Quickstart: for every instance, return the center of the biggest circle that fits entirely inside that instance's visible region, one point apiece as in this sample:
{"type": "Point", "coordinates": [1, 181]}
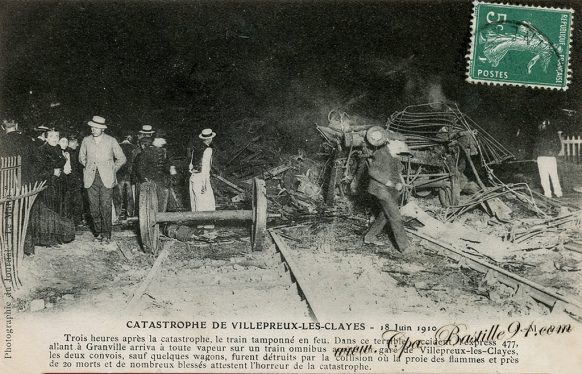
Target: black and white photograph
{"type": "Point", "coordinates": [261, 186]}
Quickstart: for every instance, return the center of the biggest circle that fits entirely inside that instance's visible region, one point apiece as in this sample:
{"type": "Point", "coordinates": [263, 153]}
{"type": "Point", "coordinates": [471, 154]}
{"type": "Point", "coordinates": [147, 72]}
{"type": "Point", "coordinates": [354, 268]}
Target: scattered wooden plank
{"type": "Point", "coordinates": [277, 170]}
{"type": "Point", "coordinates": [228, 183]}
{"type": "Point", "coordinates": [137, 294]}
{"type": "Point", "coordinates": [124, 252]}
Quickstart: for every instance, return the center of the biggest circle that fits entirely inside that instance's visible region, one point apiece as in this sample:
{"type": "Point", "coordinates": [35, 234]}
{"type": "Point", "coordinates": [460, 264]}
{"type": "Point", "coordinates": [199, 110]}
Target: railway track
{"type": "Point", "coordinates": [522, 288]}
{"type": "Point", "coordinates": [303, 286]}
{"type": "Point", "coordinates": [493, 273]}
{"type": "Point", "coordinates": [320, 283]}
{"type": "Point", "coordinates": [215, 279]}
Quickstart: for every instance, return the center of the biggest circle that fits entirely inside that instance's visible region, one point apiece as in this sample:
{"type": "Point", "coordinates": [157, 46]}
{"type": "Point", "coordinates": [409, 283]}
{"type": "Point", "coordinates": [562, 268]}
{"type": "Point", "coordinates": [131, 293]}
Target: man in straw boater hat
{"type": "Point", "coordinates": [201, 193]}
{"type": "Point", "coordinates": [152, 165]}
{"type": "Point", "coordinates": [385, 183]}
{"type": "Point", "coordinates": [102, 157]}
{"type": "Point", "coordinates": [146, 131]}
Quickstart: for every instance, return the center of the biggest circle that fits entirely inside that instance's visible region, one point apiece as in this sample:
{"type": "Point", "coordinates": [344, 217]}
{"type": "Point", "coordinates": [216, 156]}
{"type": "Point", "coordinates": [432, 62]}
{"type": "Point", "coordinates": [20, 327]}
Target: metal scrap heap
{"type": "Point", "coordinates": [449, 154]}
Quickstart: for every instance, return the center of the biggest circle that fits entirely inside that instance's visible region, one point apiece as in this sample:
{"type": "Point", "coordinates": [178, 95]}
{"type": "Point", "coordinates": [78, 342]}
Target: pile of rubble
{"type": "Point", "coordinates": [451, 157]}
{"type": "Point", "coordinates": [293, 181]}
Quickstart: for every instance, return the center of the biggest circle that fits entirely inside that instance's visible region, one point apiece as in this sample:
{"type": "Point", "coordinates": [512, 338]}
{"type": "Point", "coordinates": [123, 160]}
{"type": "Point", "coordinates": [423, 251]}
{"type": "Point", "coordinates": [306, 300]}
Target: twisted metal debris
{"type": "Point", "coordinates": [425, 127]}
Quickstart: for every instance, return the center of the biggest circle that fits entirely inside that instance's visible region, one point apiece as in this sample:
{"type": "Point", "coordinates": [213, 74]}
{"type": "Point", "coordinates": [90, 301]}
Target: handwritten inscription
{"type": "Point", "coordinates": [459, 334]}
{"type": "Point", "coordinates": [452, 342]}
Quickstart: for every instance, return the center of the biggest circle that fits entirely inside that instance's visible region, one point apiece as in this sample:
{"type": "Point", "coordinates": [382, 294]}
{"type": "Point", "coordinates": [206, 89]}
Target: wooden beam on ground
{"type": "Point", "coordinates": [228, 183]}
{"type": "Point", "coordinates": [124, 252]}
{"type": "Point", "coordinates": [137, 294]}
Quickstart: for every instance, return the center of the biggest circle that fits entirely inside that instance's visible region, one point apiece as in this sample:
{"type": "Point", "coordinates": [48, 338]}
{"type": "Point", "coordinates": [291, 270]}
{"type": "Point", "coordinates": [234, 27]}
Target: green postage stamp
{"type": "Point", "coordinates": [520, 45]}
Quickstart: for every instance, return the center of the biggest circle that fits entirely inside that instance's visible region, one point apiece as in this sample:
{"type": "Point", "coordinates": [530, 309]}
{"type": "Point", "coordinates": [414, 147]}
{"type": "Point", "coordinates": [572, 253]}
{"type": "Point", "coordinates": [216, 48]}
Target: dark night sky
{"type": "Point", "coordinates": [166, 62]}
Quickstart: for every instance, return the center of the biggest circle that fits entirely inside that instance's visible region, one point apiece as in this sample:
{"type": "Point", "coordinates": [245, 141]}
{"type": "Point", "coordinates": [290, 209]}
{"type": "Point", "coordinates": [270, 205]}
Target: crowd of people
{"type": "Point", "coordinates": [95, 182]}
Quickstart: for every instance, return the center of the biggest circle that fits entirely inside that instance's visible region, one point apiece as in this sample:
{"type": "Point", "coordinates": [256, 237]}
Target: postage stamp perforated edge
{"type": "Point", "coordinates": [470, 54]}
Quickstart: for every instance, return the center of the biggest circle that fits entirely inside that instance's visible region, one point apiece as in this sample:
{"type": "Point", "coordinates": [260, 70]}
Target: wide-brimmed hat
{"type": "Point", "coordinates": [376, 136]}
{"type": "Point", "coordinates": [41, 128]}
{"type": "Point", "coordinates": [97, 122]}
{"type": "Point", "coordinates": [147, 130]}
{"type": "Point", "coordinates": [207, 134]}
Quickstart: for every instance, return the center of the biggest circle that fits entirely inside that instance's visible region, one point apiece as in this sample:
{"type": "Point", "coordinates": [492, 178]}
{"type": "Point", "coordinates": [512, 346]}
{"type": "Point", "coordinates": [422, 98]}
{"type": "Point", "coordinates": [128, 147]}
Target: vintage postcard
{"type": "Point", "coordinates": [290, 187]}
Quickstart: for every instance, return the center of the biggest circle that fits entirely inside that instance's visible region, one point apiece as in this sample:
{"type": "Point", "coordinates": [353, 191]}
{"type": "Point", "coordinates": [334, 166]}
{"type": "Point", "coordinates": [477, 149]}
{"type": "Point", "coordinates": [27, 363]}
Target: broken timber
{"type": "Point", "coordinates": [228, 183]}
{"type": "Point", "coordinates": [132, 302]}
{"type": "Point", "coordinates": [463, 236]}
{"type": "Point", "coordinates": [530, 232]}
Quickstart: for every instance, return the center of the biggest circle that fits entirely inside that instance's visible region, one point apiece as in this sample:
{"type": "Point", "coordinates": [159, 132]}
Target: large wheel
{"type": "Point", "coordinates": [259, 229]}
{"type": "Point", "coordinates": [149, 228]}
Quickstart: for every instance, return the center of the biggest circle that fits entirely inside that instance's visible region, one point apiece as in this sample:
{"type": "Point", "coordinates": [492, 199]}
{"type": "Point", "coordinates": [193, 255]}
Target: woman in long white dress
{"type": "Point", "coordinates": [201, 192]}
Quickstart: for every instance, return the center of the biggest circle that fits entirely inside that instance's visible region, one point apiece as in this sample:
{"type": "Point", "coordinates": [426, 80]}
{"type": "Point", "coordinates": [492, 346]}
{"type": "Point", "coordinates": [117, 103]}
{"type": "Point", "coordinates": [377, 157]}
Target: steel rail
{"type": "Point", "coordinates": [297, 274]}
{"type": "Point", "coordinates": [544, 295]}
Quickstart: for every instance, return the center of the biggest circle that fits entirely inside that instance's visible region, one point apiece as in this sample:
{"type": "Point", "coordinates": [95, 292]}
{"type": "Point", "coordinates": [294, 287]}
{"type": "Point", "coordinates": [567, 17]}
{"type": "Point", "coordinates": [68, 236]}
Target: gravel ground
{"type": "Point", "coordinates": [223, 280]}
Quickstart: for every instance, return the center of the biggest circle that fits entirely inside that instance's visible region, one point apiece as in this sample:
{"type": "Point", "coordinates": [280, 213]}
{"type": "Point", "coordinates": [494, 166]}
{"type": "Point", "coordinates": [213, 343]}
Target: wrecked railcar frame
{"type": "Point", "coordinates": [443, 143]}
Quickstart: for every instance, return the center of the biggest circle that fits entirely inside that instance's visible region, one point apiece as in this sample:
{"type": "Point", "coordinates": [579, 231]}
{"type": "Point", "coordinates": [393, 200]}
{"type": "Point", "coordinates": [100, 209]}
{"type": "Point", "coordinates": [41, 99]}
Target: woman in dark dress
{"type": "Point", "coordinates": [54, 227]}
{"type": "Point", "coordinates": [67, 207]}
{"type": "Point", "coordinates": [75, 188]}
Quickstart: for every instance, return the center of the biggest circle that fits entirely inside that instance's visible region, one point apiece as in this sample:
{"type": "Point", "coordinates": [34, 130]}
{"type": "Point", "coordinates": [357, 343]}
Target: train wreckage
{"type": "Point", "coordinates": [447, 153]}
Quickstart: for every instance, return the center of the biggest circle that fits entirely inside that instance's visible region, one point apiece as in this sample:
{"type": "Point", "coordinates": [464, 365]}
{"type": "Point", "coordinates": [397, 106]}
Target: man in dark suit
{"type": "Point", "coordinates": [16, 143]}
{"type": "Point", "coordinates": [75, 182]}
{"type": "Point", "coordinates": [123, 195]}
{"type": "Point", "coordinates": [385, 183]}
{"type": "Point", "coordinates": [102, 157]}
{"type": "Point", "coordinates": [152, 165]}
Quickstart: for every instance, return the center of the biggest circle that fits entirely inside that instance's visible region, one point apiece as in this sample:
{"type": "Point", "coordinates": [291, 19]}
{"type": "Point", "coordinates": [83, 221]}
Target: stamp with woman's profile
{"type": "Point", "coordinates": [520, 45]}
